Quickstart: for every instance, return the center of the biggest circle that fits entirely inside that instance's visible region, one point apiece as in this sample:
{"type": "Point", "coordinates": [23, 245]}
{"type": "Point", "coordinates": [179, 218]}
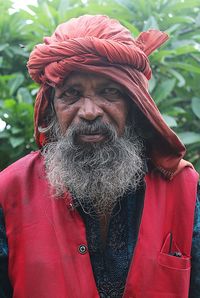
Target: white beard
{"type": "Point", "coordinates": [97, 175]}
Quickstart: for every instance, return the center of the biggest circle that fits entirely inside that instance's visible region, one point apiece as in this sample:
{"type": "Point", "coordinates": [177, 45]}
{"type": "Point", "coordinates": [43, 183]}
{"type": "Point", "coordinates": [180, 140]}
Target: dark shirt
{"type": "Point", "coordinates": [5, 287]}
{"type": "Point", "coordinates": [111, 263]}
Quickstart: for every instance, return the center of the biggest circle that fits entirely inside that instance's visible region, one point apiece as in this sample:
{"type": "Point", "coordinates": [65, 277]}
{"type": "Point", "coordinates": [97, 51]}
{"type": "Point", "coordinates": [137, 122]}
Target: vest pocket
{"type": "Point", "coordinates": [172, 257]}
{"type": "Point", "coordinates": [181, 263]}
{"type": "Point", "coordinates": [172, 272]}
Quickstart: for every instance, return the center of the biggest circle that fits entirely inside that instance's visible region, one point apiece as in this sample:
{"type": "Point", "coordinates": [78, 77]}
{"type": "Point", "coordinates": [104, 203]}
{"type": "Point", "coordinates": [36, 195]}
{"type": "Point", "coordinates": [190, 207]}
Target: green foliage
{"type": "Point", "coordinates": [176, 73]}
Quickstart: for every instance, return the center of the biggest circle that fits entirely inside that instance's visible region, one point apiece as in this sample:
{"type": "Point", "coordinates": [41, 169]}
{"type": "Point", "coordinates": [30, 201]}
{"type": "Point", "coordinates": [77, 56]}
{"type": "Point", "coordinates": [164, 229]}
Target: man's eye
{"type": "Point", "coordinates": [71, 92]}
{"type": "Point", "coordinates": [111, 93]}
{"type": "Point", "coordinates": [71, 95]}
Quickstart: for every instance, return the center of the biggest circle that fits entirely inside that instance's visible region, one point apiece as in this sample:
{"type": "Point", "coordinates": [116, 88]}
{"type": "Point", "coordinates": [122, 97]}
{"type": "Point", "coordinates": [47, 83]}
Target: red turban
{"type": "Point", "coordinates": [102, 45]}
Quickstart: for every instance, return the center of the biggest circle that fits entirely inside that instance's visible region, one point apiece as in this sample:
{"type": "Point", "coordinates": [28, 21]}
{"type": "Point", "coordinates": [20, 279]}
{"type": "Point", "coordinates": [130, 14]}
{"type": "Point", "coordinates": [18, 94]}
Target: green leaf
{"type": "Point", "coordinates": [150, 23]}
{"type": "Point", "coordinates": [3, 46]}
{"type": "Point", "coordinates": [177, 111]}
{"type": "Point", "coordinates": [171, 122]}
{"type": "Point", "coordinates": [197, 166]}
{"type": "Point", "coordinates": [196, 106]}
{"type": "Point", "coordinates": [15, 82]}
{"type": "Point", "coordinates": [15, 142]}
{"type": "Point", "coordinates": [185, 49]}
{"type": "Point", "coordinates": [16, 130]}
{"type": "Point", "coordinates": [4, 134]}
{"type": "Point", "coordinates": [162, 55]}
{"type": "Point", "coordinates": [173, 28]}
{"type": "Point", "coordinates": [131, 27]}
{"type": "Point", "coordinates": [152, 84]}
{"type": "Point", "coordinates": [185, 66]}
{"type": "Point", "coordinates": [182, 19]}
{"type": "Point", "coordinates": [178, 76]}
{"type": "Point", "coordinates": [63, 6]}
{"type": "Point", "coordinates": [189, 137]}
{"type": "Point", "coordinates": [163, 89]}
{"type": "Point", "coordinates": [23, 95]}
{"type": "Point", "coordinates": [34, 91]}
{"type": "Point", "coordinates": [198, 20]}
{"type": "Point", "coordinates": [9, 103]}
{"type": "Point", "coordinates": [20, 52]}
{"type": "Point", "coordinates": [177, 6]}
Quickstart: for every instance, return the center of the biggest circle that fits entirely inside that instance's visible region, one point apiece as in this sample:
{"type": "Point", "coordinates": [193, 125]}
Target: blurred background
{"type": "Point", "coordinates": [175, 84]}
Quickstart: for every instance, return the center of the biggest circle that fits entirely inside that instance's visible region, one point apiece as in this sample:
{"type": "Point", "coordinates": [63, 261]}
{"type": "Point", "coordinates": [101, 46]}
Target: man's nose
{"type": "Point", "coordinates": [90, 110]}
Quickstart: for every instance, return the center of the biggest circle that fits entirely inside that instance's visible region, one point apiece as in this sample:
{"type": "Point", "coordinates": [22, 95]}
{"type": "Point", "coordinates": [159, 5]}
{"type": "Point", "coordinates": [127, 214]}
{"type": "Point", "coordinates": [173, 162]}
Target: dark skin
{"type": "Point", "coordinates": [87, 96]}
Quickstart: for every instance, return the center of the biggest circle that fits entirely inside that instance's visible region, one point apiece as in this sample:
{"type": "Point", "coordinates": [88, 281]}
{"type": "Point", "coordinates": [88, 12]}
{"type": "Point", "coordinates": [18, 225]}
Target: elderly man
{"type": "Point", "coordinates": [106, 207]}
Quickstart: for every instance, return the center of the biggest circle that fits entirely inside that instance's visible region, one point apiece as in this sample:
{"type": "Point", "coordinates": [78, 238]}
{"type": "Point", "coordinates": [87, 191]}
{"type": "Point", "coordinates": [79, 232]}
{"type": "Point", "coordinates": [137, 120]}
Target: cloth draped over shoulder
{"type": "Point", "coordinates": [101, 45]}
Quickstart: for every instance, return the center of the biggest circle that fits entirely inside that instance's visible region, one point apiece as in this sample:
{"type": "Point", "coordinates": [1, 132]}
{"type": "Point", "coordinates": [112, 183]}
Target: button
{"type": "Point", "coordinates": [82, 249]}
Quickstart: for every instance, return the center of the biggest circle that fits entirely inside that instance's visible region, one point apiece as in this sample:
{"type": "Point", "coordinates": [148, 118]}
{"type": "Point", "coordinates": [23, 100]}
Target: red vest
{"type": "Point", "coordinates": [45, 235]}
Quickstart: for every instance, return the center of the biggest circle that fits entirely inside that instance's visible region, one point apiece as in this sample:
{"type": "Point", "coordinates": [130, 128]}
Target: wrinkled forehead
{"type": "Point", "coordinates": [83, 76]}
{"type": "Point", "coordinates": [82, 79]}
{"type": "Point", "coordinates": [86, 75]}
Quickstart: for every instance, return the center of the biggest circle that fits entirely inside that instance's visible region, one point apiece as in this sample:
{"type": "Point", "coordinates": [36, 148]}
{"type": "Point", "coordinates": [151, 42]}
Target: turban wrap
{"type": "Point", "coordinates": [98, 44]}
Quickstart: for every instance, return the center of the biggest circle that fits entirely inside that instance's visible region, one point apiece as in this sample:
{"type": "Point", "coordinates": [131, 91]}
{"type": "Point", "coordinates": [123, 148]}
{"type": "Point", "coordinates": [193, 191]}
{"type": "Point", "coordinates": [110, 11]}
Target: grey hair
{"type": "Point", "coordinates": [49, 127]}
{"type": "Point", "coordinates": [50, 119]}
{"type": "Point", "coordinates": [98, 175]}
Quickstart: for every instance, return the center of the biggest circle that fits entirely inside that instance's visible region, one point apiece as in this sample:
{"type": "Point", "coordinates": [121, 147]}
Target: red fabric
{"type": "Point", "coordinates": [168, 209]}
{"type": "Point", "coordinates": [44, 260]}
{"type": "Point", "coordinates": [103, 46]}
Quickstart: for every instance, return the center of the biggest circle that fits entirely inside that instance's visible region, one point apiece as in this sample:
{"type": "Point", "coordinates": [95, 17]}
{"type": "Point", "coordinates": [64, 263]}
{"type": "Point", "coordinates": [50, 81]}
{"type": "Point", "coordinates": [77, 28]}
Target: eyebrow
{"type": "Point", "coordinates": [100, 85]}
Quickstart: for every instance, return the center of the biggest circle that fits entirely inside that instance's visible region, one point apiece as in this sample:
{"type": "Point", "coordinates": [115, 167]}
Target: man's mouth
{"type": "Point", "coordinates": [91, 138]}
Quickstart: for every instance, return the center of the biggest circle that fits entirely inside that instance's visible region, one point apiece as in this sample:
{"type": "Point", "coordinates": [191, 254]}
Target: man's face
{"type": "Point", "coordinates": [97, 156]}
{"type": "Point", "coordinates": [86, 97]}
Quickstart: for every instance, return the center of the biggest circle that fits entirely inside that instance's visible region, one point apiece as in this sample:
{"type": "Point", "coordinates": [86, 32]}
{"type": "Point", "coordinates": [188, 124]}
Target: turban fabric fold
{"type": "Point", "coordinates": [98, 44]}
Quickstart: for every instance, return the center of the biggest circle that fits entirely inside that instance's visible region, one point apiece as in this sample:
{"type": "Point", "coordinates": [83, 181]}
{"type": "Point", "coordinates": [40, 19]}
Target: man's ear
{"type": "Point", "coordinates": [50, 114]}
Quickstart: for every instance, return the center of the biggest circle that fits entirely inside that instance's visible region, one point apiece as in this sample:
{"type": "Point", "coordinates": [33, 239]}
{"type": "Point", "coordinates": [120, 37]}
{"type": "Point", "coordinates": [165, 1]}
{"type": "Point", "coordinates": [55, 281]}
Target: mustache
{"type": "Point", "coordinates": [92, 128]}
